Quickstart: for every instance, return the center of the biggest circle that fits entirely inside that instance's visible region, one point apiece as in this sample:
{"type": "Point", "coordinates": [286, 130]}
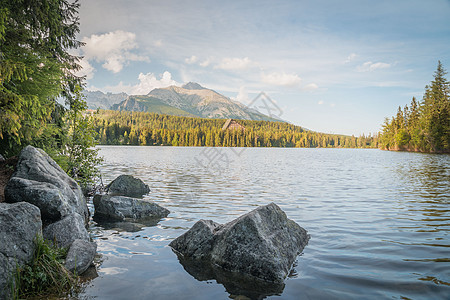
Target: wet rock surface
{"type": "Point", "coordinates": [262, 244]}
{"type": "Point", "coordinates": [64, 232]}
{"type": "Point", "coordinates": [80, 256]}
{"type": "Point", "coordinates": [120, 208]}
{"type": "Point", "coordinates": [127, 185]}
{"type": "Point", "coordinates": [40, 181]}
{"type": "Point", "coordinates": [20, 224]}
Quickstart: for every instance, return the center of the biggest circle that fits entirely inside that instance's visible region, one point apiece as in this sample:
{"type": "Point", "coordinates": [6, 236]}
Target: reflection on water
{"type": "Point", "coordinates": [235, 284]}
{"type": "Point", "coordinates": [378, 221]}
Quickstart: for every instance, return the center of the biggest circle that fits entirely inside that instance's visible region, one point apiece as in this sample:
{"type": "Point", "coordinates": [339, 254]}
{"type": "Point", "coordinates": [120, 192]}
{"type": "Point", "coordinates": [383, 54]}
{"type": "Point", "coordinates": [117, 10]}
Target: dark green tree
{"type": "Point", "coordinates": [35, 69]}
{"type": "Point", "coordinates": [436, 111]}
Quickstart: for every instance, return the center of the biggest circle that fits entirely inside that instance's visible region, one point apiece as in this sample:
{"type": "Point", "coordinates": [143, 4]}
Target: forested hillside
{"type": "Point", "coordinates": [140, 128]}
{"type": "Point", "coordinates": [423, 126]}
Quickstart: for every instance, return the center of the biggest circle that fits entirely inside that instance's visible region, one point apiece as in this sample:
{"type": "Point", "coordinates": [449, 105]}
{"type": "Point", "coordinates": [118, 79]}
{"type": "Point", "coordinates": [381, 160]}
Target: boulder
{"type": "Point", "coordinates": [20, 224]}
{"type": "Point", "coordinates": [262, 244]}
{"type": "Point", "coordinates": [80, 256]}
{"type": "Point", "coordinates": [67, 230]}
{"type": "Point", "coordinates": [121, 208]}
{"type": "Point", "coordinates": [127, 185]}
{"type": "Point", "coordinates": [40, 181]}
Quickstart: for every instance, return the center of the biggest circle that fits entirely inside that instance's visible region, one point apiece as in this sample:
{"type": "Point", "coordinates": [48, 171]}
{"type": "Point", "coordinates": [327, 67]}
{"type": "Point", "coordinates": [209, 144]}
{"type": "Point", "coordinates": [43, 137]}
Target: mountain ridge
{"type": "Point", "coordinates": [191, 99]}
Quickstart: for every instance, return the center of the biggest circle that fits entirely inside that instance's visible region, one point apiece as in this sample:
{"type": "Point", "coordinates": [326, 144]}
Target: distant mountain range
{"type": "Point", "coordinates": [190, 100]}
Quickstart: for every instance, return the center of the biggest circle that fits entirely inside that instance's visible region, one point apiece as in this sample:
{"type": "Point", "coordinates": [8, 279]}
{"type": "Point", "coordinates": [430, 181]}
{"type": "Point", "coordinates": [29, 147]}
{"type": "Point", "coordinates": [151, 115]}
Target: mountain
{"type": "Point", "coordinates": [149, 104]}
{"type": "Point", "coordinates": [101, 100]}
{"type": "Point", "coordinates": [189, 100]}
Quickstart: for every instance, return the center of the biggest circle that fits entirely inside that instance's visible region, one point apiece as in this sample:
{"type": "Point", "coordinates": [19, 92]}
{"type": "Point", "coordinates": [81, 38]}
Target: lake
{"type": "Point", "coordinates": [378, 220]}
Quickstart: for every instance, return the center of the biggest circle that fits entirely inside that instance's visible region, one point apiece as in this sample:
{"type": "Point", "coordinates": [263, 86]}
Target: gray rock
{"type": "Point", "coordinates": [127, 185]}
{"type": "Point", "coordinates": [261, 244]}
{"type": "Point", "coordinates": [20, 224]}
{"type": "Point", "coordinates": [2, 158]}
{"type": "Point", "coordinates": [40, 181]}
{"type": "Point", "coordinates": [67, 230]}
{"type": "Point", "coordinates": [80, 256]}
{"type": "Point", "coordinates": [121, 208]}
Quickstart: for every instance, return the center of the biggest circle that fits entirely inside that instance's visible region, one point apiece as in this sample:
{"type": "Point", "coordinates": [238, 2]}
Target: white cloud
{"type": "Point", "coordinates": [281, 79]}
{"type": "Point", "coordinates": [86, 69]}
{"type": "Point", "coordinates": [351, 57]}
{"type": "Point", "coordinates": [113, 49]}
{"type": "Point", "coordinates": [310, 87]}
{"type": "Point", "coordinates": [242, 96]}
{"type": "Point", "coordinates": [320, 102]}
{"type": "Point", "coordinates": [205, 63]}
{"type": "Point", "coordinates": [191, 60]}
{"type": "Point", "coordinates": [147, 82]}
{"type": "Point", "coordinates": [234, 63]}
{"type": "Point", "coordinates": [370, 66]}
{"type": "Point", "coordinates": [158, 43]}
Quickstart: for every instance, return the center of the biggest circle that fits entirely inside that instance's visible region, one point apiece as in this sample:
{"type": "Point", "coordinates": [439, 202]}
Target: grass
{"type": "Point", "coordinates": [45, 274]}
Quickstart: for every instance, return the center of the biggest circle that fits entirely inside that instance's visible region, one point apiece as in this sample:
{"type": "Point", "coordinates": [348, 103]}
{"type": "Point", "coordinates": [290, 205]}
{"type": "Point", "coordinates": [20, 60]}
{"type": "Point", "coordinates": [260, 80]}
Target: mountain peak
{"type": "Point", "coordinates": [192, 86]}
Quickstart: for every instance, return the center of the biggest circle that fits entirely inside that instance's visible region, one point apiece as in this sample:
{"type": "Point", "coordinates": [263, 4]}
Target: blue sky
{"type": "Point", "coordinates": [331, 66]}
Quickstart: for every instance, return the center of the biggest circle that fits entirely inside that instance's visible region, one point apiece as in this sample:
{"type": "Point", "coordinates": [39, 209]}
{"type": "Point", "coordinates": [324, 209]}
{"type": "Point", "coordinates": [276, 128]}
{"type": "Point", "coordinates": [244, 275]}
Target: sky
{"type": "Point", "coordinates": [330, 66]}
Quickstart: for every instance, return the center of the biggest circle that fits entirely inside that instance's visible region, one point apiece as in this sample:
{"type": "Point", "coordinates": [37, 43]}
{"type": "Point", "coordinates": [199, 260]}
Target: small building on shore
{"type": "Point", "coordinates": [231, 124]}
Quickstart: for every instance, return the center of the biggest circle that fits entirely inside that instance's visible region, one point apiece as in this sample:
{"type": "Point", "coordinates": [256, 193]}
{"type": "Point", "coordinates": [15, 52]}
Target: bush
{"type": "Point", "coordinates": [45, 274]}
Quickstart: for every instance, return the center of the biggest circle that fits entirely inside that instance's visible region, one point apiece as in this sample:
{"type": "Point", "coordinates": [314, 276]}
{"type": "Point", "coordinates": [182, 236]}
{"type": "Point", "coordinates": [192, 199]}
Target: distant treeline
{"type": "Point", "coordinates": [141, 128]}
{"type": "Point", "coordinates": [423, 126]}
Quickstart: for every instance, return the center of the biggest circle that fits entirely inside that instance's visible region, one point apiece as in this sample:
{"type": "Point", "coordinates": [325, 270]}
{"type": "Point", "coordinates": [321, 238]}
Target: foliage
{"type": "Point", "coordinates": [35, 69]}
{"type": "Point", "coordinates": [423, 126]}
{"type": "Point", "coordinates": [141, 128]}
{"type": "Point", "coordinates": [82, 158]}
{"type": "Point", "coordinates": [45, 274]}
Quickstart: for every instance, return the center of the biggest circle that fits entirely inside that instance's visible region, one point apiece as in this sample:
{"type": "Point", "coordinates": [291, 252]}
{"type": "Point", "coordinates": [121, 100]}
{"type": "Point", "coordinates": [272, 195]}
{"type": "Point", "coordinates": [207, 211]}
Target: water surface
{"type": "Point", "coordinates": [378, 221]}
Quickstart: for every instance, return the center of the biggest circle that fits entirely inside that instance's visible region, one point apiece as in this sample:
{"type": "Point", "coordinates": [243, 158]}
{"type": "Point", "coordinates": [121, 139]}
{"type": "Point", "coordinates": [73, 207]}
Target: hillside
{"type": "Point", "coordinates": [191, 100]}
{"type": "Point", "coordinates": [142, 128]}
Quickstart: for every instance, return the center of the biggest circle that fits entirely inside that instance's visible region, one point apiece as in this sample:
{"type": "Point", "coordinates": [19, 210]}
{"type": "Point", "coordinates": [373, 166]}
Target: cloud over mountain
{"type": "Point", "coordinates": [113, 49]}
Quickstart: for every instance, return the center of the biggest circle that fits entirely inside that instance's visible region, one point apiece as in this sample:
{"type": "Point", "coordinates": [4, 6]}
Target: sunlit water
{"type": "Point", "coordinates": [378, 221]}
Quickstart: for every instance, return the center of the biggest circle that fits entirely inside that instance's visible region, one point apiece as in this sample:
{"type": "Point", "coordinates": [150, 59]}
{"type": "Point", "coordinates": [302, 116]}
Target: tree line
{"type": "Point", "coordinates": [142, 128]}
{"type": "Point", "coordinates": [423, 126]}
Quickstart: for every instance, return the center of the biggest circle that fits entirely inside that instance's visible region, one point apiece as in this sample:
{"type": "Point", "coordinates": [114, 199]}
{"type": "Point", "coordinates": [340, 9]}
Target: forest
{"type": "Point", "coordinates": [424, 126]}
{"type": "Point", "coordinates": [141, 128]}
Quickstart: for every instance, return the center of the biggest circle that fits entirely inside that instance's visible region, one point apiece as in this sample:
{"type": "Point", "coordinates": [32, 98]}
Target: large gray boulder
{"type": "Point", "coordinates": [121, 208]}
{"type": "Point", "coordinates": [127, 185]}
{"type": "Point", "coordinates": [80, 256]}
{"type": "Point", "coordinates": [67, 230]}
{"type": "Point", "coordinates": [40, 181]}
{"type": "Point", "coordinates": [261, 244]}
{"type": "Point", "coordinates": [20, 223]}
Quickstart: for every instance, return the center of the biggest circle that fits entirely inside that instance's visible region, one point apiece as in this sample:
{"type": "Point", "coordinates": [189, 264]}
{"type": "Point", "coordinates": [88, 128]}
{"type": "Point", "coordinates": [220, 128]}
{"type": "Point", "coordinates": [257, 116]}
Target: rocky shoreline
{"type": "Point", "coordinates": [42, 200]}
{"type": "Point", "coordinates": [254, 251]}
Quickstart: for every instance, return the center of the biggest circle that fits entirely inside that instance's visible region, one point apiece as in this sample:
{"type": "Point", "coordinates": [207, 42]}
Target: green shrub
{"type": "Point", "coordinates": [45, 274]}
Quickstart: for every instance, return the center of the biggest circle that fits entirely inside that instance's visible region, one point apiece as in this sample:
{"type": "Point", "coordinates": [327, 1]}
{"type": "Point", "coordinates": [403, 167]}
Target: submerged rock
{"type": "Point", "coordinates": [40, 181]}
{"type": "Point", "coordinates": [80, 256]}
{"type": "Point", "coordinates": [20, 223]}
{"type": "Point", "coordinates": [121, 208]}
{"type": "Point", "coordinates": [127, 185]}
{"type": "Point", "coordinates": [64, 232]}
{"type": "Point", "coordinates": [261, 244]}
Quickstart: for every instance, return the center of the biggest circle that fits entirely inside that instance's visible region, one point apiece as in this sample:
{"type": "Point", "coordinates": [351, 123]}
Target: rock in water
{"type": "Point", "coordinates": [127, 185]}
{"type": "Point", "coordinates": [121, 208]}
{"type": "Point", "coordinates": [40, 181]}
{"type": "Point", "coordinates": [80, 256]}
{"type": "Point", "coordinates": [67, 230]}
{"type": "Point", "coordinates": [20, 223]}
{"type": "Point", "coordinates": [262, 244]}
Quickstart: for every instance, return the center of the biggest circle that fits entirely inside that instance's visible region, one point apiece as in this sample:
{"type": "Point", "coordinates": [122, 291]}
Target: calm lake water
{"type": "Point", "coordinates": [379, 221]}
